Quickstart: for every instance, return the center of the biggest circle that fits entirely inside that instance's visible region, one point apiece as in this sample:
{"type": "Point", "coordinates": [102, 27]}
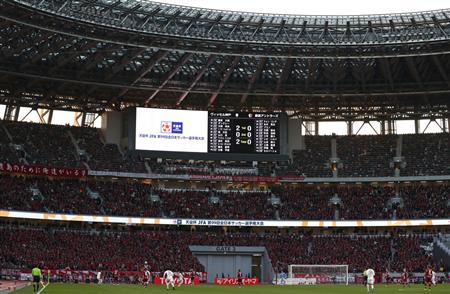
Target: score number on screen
{"type": "Point", "coordinates": [244, 135]}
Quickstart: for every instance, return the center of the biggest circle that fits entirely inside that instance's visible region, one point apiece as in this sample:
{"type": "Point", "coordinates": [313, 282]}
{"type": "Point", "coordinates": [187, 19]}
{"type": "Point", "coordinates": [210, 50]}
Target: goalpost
{"type": "Point", "coordinates": [320, 273]}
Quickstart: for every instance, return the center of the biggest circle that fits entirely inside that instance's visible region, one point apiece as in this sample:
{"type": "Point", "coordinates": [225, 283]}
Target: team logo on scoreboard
{"type": "Point", "coordinates": [171, 127]}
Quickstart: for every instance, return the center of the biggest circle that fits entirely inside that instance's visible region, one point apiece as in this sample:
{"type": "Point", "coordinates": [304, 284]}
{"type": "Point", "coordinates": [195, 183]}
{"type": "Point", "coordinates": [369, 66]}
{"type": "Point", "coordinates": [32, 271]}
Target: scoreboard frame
{"type": "Point", "coordinates": [244, 129]}
{"type": "Point", "coordinates": [128, 133]}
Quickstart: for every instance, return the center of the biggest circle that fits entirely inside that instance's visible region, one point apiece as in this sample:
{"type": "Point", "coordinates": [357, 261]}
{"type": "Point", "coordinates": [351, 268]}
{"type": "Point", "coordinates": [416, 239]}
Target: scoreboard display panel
{"type": "Point", "coordinates": [244, 133]}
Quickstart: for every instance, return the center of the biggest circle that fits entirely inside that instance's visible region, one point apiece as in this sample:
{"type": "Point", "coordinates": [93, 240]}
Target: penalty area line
{"type": "Point", "coordinates": [43, 288]}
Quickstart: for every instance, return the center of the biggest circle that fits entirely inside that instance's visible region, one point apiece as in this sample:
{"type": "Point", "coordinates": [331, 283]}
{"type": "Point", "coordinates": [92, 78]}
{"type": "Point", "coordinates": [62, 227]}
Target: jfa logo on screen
{"type": "Point", "coordinates": [171, 127]}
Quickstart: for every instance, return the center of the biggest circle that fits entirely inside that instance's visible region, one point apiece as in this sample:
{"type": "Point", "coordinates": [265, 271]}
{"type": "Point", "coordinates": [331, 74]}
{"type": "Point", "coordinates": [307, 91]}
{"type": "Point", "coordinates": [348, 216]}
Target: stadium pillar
{"type": "Point", "coordinates": [309, 128]}
{"type": "Point", "coordinates": [383, 127]}
{"type": "Point", "coordinates": [83, 119]}
{"type": "Point", "coordinates": [416, 126]}
{"type": "Point", "coordinates": [11, 112]}
{"type": "Point", "coordinates": [349, 128]}
{"type": "Point", "coordinates": [445, 125]}
{"type": "Point", "coordinates": [50, 116]}
{"type": "Point", "coordinates": [316, 128]}
{"type": "Point", "coordinates": [302, 138]}
{"type": "Point", "coordinates": [78, 116]}
{"type": "Point", "coordinates": [390, 128]}
{"type": "Point", "coordinates": [45, 115]}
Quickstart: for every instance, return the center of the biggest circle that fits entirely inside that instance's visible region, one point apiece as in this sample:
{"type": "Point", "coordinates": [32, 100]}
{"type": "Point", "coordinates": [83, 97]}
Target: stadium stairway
{"type": "Point", "coordinates": [7, 133]}
{"type": "Point", "coordinates": [147, 167]}
{"type": "Point", "coordinates": [441, 250]}
{"type": "Point", "coordinates": [75, 144]}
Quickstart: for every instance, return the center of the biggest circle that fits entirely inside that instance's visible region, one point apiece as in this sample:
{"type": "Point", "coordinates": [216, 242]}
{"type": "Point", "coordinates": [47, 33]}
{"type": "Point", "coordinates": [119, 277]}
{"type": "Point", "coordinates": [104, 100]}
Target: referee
{"type": "Point", "coordinates": [37, 275]}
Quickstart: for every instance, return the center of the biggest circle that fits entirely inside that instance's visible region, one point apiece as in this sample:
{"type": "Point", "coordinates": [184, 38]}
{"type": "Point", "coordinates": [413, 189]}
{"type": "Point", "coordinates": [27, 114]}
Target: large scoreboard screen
{"type": "Point", "coordinates": [171, 130]}
{"type": "Point", "coordinates": [248, 133]}
{"type": "Point", "coordinates": [213, 134]}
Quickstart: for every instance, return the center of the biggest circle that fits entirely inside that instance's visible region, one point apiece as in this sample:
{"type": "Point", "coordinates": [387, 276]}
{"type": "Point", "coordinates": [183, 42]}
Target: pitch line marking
{"type": "Point", "coordinates": [40, 291]}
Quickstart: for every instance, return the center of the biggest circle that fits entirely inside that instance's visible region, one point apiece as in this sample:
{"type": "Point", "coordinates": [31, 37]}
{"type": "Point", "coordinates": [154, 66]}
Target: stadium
{"type": "Point", "coordinates": [149, 146]}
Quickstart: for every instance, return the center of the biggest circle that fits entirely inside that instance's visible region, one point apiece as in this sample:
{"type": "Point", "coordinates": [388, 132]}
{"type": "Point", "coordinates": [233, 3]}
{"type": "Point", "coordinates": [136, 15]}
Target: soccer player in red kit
{"type": "Point", "coordinates": [116, 276]}
{"type": "Point", "coordinates": [147, 275]}
{"type": "Point", "coordinates": [427, 278]}
{"type": "Point", "coordinates": [387, 276]}
{"type": "Point", "coordinates": [239, 278]}
{"type": "Point", "coordinates": [405, 278]}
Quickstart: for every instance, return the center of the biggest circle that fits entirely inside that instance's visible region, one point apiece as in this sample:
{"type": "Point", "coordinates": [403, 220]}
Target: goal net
{"type": "Point", "coordinates": [319, 274]}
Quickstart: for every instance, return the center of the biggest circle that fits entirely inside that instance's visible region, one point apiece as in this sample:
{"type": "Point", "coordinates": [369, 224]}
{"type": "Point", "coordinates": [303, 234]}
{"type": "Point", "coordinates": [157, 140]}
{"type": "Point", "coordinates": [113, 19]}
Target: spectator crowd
{"type": "Point", "coordinates": [89, 249]}
{"type": "Point", "coordinates": [305, 202]}
{"type": "Point", "coordinates": [359, 156]}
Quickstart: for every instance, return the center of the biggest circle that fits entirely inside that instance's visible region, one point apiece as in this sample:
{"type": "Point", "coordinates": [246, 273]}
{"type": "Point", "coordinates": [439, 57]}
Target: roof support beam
{"type": "Point", "coordinates": [119, 66]}
{"type": "Point", "coordinates": [224, 80]}
{"type": "Point", "coordinates": [413, 70]}
{"type": "Point", "coordinates": [63, 60]}
{"type": "Point", "coordinates": [194, 20]}
{"type": "Point", "coordinates": [283, 22]}
{"type": "Point", "coordinates": [98, 56]}
{"type": "Point", "coordinates": [415, 73]}
{"type": "Point", "coordinates": [172, 18]}
{"type": "Point", "coordinates": [148, 17]}
{"type": "Point", "coordinates": [170, 74]}
{"type": "Point", "coordinates": [129, 56]}
{"type": "Point", "coordinates": [237, 24]}
{"type": "Point", "coordinates": [110, 7]}
{"type": "Point", "coordinates": [153, 61]}
{"type": "Point", "coordinates": [441, 70]}
{"type": "Point", "coordinates": [254, 78]}
{"type": "Point", "coordinates": [283, 77]}
{"type": "Point", "coordinates": [312, 67]}
{"type": "Point", "coordinates": [216, 22]}
{"type": "Point", "coordinates": [43, 38]}
{"type": "Point", "coordinates": [258, 27]}
{"type": "Point", "coordinates": [129, 12]}
{"type": "Point", "coordinates": [386, 68]}
{"type": "Point", "coordinates": [439, 27]}
{"type": "Point", "coordinates": [45, 49]}
{"type": "Point", "coordinates": [197, 78]}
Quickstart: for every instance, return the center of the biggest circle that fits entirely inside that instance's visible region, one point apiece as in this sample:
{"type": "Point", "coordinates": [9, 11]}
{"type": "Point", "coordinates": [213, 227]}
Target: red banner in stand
{"type": "Point", "coordinates": [234, 281]}
{"type": "Point", "coordinates": [186, 281]}
{"type": "Point", "coordinates": [254, 179]}
{"type": "Point", "coordinates": [36, 170]}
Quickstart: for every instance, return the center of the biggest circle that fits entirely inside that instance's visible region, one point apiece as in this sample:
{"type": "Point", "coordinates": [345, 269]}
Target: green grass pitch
{"type": "Point", "coordinates": [262, 289]}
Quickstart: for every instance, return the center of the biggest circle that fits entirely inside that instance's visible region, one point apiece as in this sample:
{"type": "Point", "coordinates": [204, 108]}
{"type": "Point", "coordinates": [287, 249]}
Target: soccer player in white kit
{"type": "Point", "coordinates": [370, 279]}
{"type": "Point", "coordinates": [99, 277]}
{"type": "Point", "coordinates": [168, 278]}
{"type": "Point", "coordinates": [179, 279]}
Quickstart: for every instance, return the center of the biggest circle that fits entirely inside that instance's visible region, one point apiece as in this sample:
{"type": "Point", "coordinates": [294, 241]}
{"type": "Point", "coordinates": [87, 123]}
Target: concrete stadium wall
{"type": "Point", "coordinates": [112, 127]}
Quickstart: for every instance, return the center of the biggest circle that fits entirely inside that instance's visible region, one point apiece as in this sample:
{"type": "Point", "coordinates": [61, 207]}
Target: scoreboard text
{"type": "Point", "coordinates": [233, 132]}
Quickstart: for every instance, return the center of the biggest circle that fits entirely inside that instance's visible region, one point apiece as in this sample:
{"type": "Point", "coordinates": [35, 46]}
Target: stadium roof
{"type": "Point", "coordinates": [323, 7]}
{"type": "Point", "coordinates": [94, 55]}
